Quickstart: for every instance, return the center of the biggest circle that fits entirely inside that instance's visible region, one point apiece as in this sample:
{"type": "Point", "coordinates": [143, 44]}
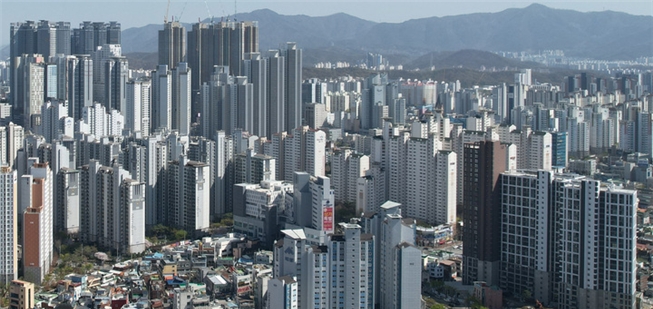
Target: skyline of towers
{"type": "Point", "coordinates": [219, 44]}
{"type": "Point", "coordinates": [424, 153]}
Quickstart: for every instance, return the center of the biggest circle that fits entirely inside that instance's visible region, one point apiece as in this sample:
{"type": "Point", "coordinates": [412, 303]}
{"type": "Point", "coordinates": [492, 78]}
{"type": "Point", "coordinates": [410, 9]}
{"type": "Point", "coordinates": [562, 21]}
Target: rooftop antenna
{"type": "Point", "coordinates": [235, 9]}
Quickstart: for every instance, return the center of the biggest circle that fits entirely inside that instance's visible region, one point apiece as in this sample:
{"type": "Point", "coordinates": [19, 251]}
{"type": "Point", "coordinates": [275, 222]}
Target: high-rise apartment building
{"type": "Point", "coordinates": [172, 44]}
{"type": "Point", "coordinates": [80, 85]}
{"type": "Point", "coordinates": [101, 55]}
{"type": "Point", "coordinates": [36, 201]}
{"type": "Point", "coordinates": [250, 167]}
{"type": "Point", "coordinates": [285, 293]}
{"type": "Point", "coordinates": [219, 44]}
{"type": "Point", "coordinates": [483, 163]}
{"type": "Point", "coordinates": [525, 234]}
{"type": "Point", "coordinates": [90, 35]}
{"type": "Point", "coordinates": [187, 197]}
{"type": "Point", "coordinates": [276, 93]}
{"type": "Point", "coordinates": [351, 270]}
{"type": "Point", "coordinates": [293, 85]}
{"type": "Point", "coordinates": [397, 263]}
{"type": "Point", "coordinates": [444, 189]}
{"type": "Point", "coordinates": [138, 100]}
{"type": "Point", "coordinates": [67, 194]}
{"type": "Point", "coordinates": [313, 203]}
{"type": "Point", "coordinates": [340, 273]}
{"type": "Point", "coordinates": [28, 38]}
{"type": "Point", "coordinates": [304, 150]}
{"type": "Point", "coordinates": [130, 235]}
{"type": "Point", "coordinates": [9, 234]}
{"type": "Point", "coordinates": [255, 67]}
{"type": "Point", "coordinates": [115, 215]}
{"type": "Point", "coordinates": [567, 239]}
{"type": "Point", "coordinates": [181, 99]}
{"type": "Point", "coordinates": [161, 98]}
{"type": "Point", "coordinates": [222, 172]}
{"type": "Point", "coordinates": [228, 104]}
{"type": "Point", "coordinates": [559, 149]}
{"type": "Point", "coordinates": [116, 76]}
{"type": "Point", "coordinates": [595, 234]}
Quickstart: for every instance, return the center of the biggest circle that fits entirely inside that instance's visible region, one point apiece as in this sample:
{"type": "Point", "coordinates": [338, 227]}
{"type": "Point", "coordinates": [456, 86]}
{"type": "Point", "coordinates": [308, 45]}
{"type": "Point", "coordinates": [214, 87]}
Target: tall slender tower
{"type": "Point", "coordinates": [161, 97]}
{"type": "Point", "coordinates": [9, 234]}
{"type": "Point", "coordinates": [181, 98]}
{"type": "Point", "coordinates": [80, 85]}
{"type": "Point", "coordinates": [115, 81]}
{"type": "Point", "coordinates": [483, 163]}
{"type": "Point", "coordinates": [293, 86]}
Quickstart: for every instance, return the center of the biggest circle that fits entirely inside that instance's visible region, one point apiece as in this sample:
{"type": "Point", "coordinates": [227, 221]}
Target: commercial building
{"type": "Point", "coordinates": [21, 294]}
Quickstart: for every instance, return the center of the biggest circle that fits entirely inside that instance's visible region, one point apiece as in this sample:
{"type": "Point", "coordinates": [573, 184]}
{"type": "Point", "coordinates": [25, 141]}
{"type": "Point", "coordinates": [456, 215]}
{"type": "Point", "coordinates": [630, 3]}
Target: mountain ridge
{"type": "Point", "coordinates": [535, 27]}
{"type": "Point", "coordinates": [605, 35]}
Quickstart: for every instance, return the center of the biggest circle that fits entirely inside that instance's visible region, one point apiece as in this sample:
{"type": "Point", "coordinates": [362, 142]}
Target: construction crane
{"type": "Point", "coordinates": [165, 18]}
{"type": "Point", "coordinates": [182, 12]}
{"type": "Point", "coordinates": [208, 10]}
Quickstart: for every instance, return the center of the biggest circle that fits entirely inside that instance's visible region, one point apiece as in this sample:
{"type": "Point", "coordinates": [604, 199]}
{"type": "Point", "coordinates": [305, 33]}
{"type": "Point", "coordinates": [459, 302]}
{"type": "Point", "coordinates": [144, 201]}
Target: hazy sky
{"type": "Point", "coordinates": [142, 12]}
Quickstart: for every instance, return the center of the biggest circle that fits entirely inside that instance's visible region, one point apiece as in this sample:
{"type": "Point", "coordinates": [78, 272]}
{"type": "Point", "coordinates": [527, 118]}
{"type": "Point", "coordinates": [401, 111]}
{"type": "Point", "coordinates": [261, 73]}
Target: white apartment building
{"type": "Point", "coordinates": [358, 164]}
{"type": "Point", "coordinates": [351, 269]}
{"type": "Point", "coordinates": [161, 98]}
{"type": "Point", "coordinates": [187, 197]}
{"type": "Point", "coordinates": [131, 217]}
{"type": "Point", "coordinates": [9, 232]}
{"type": "Point", "coordinates": [568, 239]}
{"type": "Point", "coordinates": [283, 293]}
{"type": "Point", "coordinates": [396, 166]}
{"type": "Point", "coordinates": [112, 208]}
{"type": "Point", "coordinates": [67, 214]}
{"type": "Point", "coordinates": [444, 189]}
{"type": "Point", "coordinates": [137, 113]}
{"type": "Point", "coordinates": [315, 156]}
{"type": "Point", "coordinates": [181, 99]}
{"type": "Point", "coordinates": [420, 173]}
{"type": "Point", "coordinates": [525, 233]}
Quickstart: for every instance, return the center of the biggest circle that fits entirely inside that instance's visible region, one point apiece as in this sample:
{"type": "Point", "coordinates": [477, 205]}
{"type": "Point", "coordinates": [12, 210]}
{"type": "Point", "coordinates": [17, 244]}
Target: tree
{"type": "Point", "coordinates": [160, 229]}
{"type": "Point", "coordinates": [527, 295]}
{"type": "Point", "coordinates": [180, 235]}
{"type": "Point", "coordinates": [475, 303]}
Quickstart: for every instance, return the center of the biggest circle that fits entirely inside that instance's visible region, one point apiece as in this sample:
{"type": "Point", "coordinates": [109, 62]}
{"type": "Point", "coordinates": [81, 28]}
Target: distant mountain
{"type": "Point", "coordinates": [601, 35]}
{"type": "Point", "coordinates": [4, 52]}
{"type": "Point", "coordinates": [605, 35]}
{"type": "Point", "coordinates": [468, 59]}
{"type": "Point", "coordinates": [274, 29]}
